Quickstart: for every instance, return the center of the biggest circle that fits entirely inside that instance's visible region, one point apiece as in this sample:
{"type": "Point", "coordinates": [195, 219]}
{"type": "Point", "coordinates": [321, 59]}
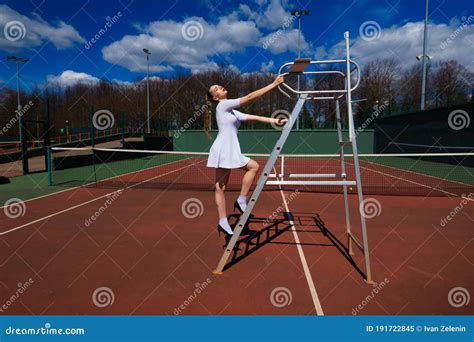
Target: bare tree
{"type": "Point", "coordinates": [378, 84]}
{"type": "Point", "coordinates": [408, 88]}
{"type": "Point", "coordinates": [175, 101]}
{"type": "Point", "coordinates": [450, 83]}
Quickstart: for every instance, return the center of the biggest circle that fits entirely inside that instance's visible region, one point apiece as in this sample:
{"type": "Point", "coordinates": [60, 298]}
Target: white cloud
{"type": "Point", "coordinates": [251, 74]}
{"type": "Point", "coordinates": [274, 15]}
{"type": "Point", "coordinates": [404, 43]}
{"type": "Point", "coordinates": [246, 10]}
{"type": "Point", "coordinates": [69, 78]}
{"type": "Point", "coordinates": [154, 78]}
{"type": "Point", "coordinates": [123, 83]}
{"type": "Point", "coordinates": [275, 19]}
{"type": "Point", "coordinates": [320, 53]}
{"type": "Point", "coordinates": [235, 32]}
{"type": "Point", "coordinates": [169, 46]}
{"type": "Point", "coordinates": [28, 32]}
{"type": "Point", "coordinates": [284, 40]}
{"type": "Point", "coordinates": [271, 17]}
{"type": "Point", "coordinates": [136, 82]}
{"type": "Point", "coordinates": [267, 67]}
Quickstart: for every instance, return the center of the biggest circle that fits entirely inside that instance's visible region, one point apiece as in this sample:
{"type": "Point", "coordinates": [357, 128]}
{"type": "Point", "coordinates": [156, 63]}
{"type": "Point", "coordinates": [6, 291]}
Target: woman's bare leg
{"type": "Point", "coordinates": [251, 170]}
{"type": "Point", "coordinates": [222, 177]}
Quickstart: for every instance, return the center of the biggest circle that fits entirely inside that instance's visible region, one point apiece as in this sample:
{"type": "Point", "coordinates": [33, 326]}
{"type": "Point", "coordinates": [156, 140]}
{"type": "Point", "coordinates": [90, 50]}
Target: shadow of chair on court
{"type": "Point", "coordinates": [252, 240]}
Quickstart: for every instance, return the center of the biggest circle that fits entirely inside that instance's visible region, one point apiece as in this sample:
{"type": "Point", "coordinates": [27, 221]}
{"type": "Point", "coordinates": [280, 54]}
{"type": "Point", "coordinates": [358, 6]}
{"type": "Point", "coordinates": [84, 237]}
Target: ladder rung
{"type": "Point", "coordinates": [357, 242]}
{"type": "Point", "coordinates": [307, 175]}
{"type": "Point", "coordinates": [311, 183]}
{"type": "Point", "coordinates": [345, 143]}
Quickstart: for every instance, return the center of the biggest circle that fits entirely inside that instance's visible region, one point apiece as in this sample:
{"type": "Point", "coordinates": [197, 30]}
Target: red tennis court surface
{"type": "Point", "coordinates": [152, 251]}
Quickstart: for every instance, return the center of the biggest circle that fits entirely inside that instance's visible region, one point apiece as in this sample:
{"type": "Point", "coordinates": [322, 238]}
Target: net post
{"type": "Point", "coordinates": [23, 144]}
{"type": "Point", "coordinates": [91, 123]}
{"type": "Point", "coordinates": [47, 129]}
{"type": "Point", "coordinates": [49, 165]}
{"type": "Point", "coordinates": [93, 165]}
{"type": "Point", "coordinates": [122, 128]}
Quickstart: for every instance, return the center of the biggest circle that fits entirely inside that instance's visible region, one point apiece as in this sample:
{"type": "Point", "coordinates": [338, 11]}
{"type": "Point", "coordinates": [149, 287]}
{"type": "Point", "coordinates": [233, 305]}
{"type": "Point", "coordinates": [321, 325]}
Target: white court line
{"type": "Point", "coordinates": [90, 201]}
{"type": "Point", "coordinates": [307, 273]}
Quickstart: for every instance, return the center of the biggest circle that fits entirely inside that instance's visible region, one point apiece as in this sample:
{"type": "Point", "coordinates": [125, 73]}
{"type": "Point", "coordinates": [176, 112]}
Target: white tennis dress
{"type": "Point", "coordinates": [225, 151]}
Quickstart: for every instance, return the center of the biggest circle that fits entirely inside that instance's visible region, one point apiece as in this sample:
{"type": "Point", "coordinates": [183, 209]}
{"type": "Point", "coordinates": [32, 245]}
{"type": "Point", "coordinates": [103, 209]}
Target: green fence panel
{"type": "Point", "coordinates": [262, 141]}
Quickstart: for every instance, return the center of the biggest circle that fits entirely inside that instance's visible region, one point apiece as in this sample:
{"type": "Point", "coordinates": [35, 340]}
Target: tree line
{"type": "Point", "coordinates": [173, 101]}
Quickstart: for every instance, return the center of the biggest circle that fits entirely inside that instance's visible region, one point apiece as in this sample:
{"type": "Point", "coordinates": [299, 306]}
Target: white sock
{"type": "Point", "coordinates": [225, 224]}
{"type": "Point", "coordinates": [242, 200]}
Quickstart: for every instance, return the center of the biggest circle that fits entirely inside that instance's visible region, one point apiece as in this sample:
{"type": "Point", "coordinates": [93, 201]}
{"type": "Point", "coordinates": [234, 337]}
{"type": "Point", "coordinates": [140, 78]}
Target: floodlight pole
{"type": "Point", "coordinates": [423, 60]}
{"type": "Point", "coordinates": [18, 87]}
{"type": "Point", "coordinates": [147, 88]}
{"type": "Point", "coordinates": [18, 60]}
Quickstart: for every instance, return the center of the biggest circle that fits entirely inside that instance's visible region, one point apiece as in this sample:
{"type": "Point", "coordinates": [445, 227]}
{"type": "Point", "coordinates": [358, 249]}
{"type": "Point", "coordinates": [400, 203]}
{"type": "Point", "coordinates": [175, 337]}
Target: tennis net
{"type": "Point", "coordinates": [435, 174]}
{"type": "Point", "coordinates": [400, 147]}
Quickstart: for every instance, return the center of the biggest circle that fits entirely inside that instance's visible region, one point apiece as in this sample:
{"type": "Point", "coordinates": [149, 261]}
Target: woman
{"type": "Point", "coordinates": [225, 153]}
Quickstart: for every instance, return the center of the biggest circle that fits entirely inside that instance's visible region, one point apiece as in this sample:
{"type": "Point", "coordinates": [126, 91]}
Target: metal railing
{"type": "Point", "coordinates": [285, 70]}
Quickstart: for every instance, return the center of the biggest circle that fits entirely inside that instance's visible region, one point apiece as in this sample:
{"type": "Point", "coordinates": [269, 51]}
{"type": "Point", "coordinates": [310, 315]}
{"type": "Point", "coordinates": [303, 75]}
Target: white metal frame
{"type": "Point", "coordinates": [352, 69]}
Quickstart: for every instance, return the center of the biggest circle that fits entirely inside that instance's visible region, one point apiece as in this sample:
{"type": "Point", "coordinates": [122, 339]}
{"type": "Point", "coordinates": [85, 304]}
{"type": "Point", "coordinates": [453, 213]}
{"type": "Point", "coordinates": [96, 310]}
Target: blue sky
{"type": "Point", "coordinates": [255, 35]}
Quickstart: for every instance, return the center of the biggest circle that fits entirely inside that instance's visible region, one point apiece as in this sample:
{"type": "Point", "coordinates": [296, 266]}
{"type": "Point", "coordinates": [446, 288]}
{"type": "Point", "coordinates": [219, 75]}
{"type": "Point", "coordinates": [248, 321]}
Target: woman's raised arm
{"type": "Point", "coordinates": [257, 93]}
